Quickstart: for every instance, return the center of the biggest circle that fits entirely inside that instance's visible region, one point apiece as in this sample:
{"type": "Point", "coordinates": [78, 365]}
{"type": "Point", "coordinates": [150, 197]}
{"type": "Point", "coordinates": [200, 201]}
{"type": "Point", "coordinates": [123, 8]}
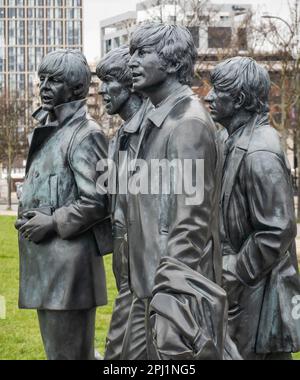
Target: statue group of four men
{"type": "Point", "coordinates": [212, 279]}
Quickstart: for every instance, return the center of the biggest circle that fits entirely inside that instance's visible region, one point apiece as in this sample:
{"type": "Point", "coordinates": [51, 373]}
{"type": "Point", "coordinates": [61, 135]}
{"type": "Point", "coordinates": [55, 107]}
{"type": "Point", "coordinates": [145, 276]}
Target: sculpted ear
{"type": "Point", "coordinates": [78, 90]}
{"type": "Point", "coordinates": [173, 68]}
{"type": "Point", "coordinates": [240, 100]}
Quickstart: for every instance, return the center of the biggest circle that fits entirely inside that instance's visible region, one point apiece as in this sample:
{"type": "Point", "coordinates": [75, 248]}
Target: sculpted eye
{"type": "Point", "coordinates": [142, 53]}
{"type": "Point", "coordinates": [56, 80]}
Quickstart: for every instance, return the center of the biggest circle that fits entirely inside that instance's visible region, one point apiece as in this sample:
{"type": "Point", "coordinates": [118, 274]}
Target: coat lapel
{"type": "Point", "coordinates": [235, 161]}
{"type": "Point", "coordinates": [40, 135]}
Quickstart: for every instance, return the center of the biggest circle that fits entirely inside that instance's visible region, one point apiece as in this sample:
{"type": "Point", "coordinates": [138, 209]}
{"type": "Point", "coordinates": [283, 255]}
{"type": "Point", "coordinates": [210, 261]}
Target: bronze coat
{"type": "Point", "coordinates": [258, 232]}
{"type": "Point", "coordinates": [64, 272]}
{"type": "Point", "coordinates": [163, 225]}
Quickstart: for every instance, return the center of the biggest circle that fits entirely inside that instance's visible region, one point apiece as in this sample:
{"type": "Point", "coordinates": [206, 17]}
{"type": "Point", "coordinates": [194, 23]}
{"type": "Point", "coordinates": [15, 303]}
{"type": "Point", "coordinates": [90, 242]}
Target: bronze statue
{"type": "Point", "coordinates": [257, 223]}
{"type": "Point", "coordinates": [166, 224]}
{"type": "Point", "coordinates": [119, 98]}
{"type": "Point", "coordinates": [60, 212]}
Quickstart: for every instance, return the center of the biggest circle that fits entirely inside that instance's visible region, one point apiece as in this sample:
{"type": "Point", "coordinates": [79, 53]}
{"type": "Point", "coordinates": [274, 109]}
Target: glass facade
{"type": "Point", "coordinates": [29, 29]}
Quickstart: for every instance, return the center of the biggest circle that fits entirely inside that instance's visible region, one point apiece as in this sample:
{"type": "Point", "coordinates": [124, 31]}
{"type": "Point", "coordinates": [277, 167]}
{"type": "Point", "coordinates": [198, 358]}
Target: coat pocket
{"type": "Point", "coordinates": [53, 186]}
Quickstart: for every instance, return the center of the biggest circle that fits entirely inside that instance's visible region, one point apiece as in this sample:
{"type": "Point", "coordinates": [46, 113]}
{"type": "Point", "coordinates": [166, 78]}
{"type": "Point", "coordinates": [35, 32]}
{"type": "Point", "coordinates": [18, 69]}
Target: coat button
{"type": "Point", "coordinates": [36, 174]}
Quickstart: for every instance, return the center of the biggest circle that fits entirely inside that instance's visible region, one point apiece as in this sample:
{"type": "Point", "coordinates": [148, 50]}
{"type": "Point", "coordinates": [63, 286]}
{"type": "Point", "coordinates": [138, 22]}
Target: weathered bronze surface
{"type": "Point", "coordinates": [61, 271]}
{"type": "Point", "coordinates": [257, 224]}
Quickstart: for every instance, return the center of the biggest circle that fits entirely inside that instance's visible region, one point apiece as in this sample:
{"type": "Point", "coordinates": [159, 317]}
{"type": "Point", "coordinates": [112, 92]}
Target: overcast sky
{"type": "Point", "coordinates": [97, 10]}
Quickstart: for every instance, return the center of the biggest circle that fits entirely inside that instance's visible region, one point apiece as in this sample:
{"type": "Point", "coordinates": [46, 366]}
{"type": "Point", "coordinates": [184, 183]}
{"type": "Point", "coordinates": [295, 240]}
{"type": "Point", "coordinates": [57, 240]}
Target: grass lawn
{"type": "Point", "coordinates": [19, 332]}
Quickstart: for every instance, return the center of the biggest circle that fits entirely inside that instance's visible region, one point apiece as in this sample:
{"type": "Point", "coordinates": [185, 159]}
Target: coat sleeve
{"type": "Point", "coordinates": [190, 224]}
{"type": "Point", "coordinates": [91, 206]}
{"type": "Point", "coordinates": [271, 206]}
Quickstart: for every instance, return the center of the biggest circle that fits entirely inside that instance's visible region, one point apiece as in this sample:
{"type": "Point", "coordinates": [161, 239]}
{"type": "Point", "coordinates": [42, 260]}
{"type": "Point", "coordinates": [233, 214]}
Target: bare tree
{"type": "Point", "coordinates": [14, 130]}
{"type": "Point", "coordinates": [281, 38]}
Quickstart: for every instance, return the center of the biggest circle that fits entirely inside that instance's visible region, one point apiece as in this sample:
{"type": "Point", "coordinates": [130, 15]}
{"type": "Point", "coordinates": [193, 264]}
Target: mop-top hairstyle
{"type": "Point", "coordinates": [70, 66]}
{"type": "Point", "coordinates": [173, 43]}
{"type": "Point", "coordinates": [115, 64]}
{"type": "Point", "coordinates": [243, 75]}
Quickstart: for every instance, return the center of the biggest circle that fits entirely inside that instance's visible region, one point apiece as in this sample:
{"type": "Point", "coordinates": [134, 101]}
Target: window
{"type": "Point", "coordinates": [1, 59]}
{"type": "Point", "coordinates": [117, 41]}
{"type": "Point", "coordinates": [21, 12]}
{"type": "Point", "coordinates": [30, 12]}
{"type": "Point", "coordinates": [107, 46]}
{"type": "Point", "coordinates": [58, 33]}
{"type": "Point", "coordinates": [50, 33]}
{"type": "Point", "coordinates": [21, 32]}
{"type": "Point", "coordinates": [77, 33]}
{"type": "Point", "coordinates": [31, 59]}
{"type": "Point", "coordinates": [2, 82]}
{"type": "Point", "coordinates": [12, 80]}
{"type": "Point", "coordinates": [21, 59]}
{"type": "Point", "coordinates": [11, 59]}
{"type": "Point", "coordinates": [194, 30]}
{"type": "Point", "coordinates": [30, 32]}
{"type": "Point", "coordinates": [39, 12]}
{"type": "Point", "coordinates": [21, 84]}
{"type": "Point", "coordinates": [219, 37]}
{"type": "Point", "coordinates": [12, 13]}
{"type": "Point", "coordinates": [58, 13]}
{"type": "Point", "coordinates": [11, 33]}
{"type": "Point", "coordinates": [242, 39]}
{"type": "Point", "coordinates": [39, 32]}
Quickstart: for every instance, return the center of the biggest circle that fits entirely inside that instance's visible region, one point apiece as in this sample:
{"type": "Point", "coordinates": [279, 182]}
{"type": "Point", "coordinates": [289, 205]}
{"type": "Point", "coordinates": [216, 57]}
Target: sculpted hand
{"type": "Point", "coordinates": [38, 227]}
{"type": "Point", "coordinates": [20, 222]}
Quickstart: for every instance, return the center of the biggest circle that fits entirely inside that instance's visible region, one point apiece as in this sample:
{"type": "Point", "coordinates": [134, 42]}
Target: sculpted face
{"type": "Point", "coordinates": [221, 105]}
{"type": "Point", "coordinates": [54, 91]}
{"type": "Point", "coordinates": [147, 69]}
{"type": "Point", "coordinates": [114, 94]}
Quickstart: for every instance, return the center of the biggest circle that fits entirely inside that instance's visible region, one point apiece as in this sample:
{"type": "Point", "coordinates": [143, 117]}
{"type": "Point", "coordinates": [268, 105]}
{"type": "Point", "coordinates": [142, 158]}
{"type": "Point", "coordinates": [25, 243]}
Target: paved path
{"type": "Point", "coordinates": [4, 211]}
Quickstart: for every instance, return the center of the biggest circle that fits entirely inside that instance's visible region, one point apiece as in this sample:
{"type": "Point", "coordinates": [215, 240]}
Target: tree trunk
{"type": "Point", "coordinates": [8, 190]}
{"type": "Point", "coordinates": [297, 171]}
{"type": "Point", "coordinates": [9, 170]}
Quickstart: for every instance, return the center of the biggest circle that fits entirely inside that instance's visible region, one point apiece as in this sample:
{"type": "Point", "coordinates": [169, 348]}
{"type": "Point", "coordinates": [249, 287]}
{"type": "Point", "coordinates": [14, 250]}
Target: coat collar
{"type": "Point", "coordinates": [158, 115]}
{"type": "Point", "coordinates": [64, 113]}
{"type": "Point", "coordinates": [242, 136]}
{"type": "Point", "coordinates": [134, 124]}
{"type": "Point", "coordinates": [237, 152]}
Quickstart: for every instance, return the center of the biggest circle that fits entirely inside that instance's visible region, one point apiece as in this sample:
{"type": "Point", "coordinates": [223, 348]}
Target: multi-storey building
{"type": "Point", "coordinates": [29, 29]}
{"type": "Point", "coordinates": [213, 25]}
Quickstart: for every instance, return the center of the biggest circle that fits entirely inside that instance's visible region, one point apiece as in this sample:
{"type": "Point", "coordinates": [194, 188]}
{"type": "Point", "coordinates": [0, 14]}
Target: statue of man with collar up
{"type": "Point", "coordinates": [61, 266]}
{"type": "Point", "coordinates": [119, 98]}
{"type": "Point", "coordinates": [257, 221]}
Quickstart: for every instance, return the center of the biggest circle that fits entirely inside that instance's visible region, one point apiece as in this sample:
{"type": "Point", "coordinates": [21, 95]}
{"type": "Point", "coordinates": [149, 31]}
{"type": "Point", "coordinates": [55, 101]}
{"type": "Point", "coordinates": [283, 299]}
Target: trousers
{"type": "Point", "coordinates": [68, 335]}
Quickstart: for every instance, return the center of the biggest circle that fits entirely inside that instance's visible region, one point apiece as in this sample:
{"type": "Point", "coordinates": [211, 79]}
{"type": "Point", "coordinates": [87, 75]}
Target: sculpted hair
{"type": "Point", "coordinates": [244, 75]}
{"type": "Point", "coordinates": [70, 66]}
{"type": "Point", "coordinates": [174, 45]}
{"type": "Point", "coordinates": [115, 64]}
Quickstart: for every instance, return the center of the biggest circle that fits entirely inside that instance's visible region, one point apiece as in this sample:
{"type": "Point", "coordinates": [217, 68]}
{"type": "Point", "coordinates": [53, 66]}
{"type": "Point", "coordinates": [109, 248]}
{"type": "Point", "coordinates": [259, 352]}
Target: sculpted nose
{"type": "Point", "coordinates": [102, 89]}
{"type": "Point", "coordinates": [44, 83]}
{"type": "Point", "coordinates": [132, 62]}
{"type": "Point", "coordinates": [209, 97]}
